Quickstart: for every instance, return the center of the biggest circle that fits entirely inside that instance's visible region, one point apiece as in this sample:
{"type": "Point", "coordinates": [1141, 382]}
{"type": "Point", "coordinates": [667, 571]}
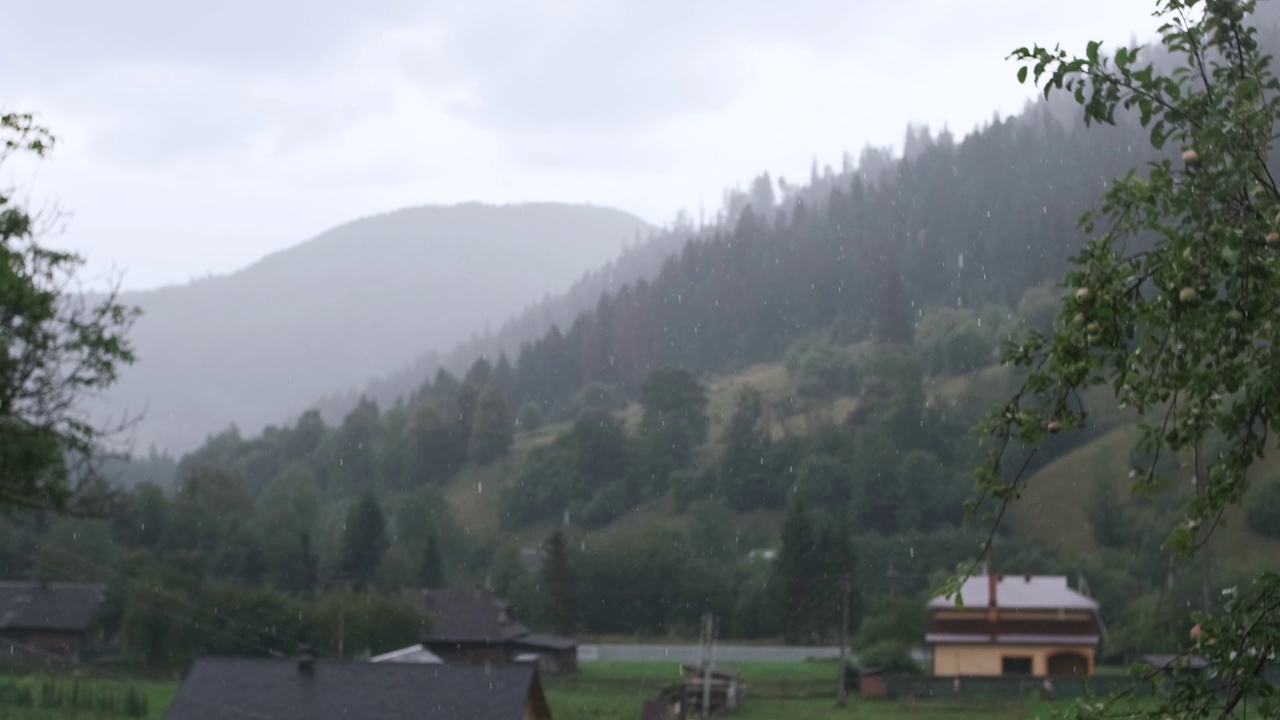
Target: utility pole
{"type": "Point", "coordinates": [846, 586]}
{"type": "Point", "coordinates": [706, 669]}
{"type": "Point", "coordinates": [342, 629]}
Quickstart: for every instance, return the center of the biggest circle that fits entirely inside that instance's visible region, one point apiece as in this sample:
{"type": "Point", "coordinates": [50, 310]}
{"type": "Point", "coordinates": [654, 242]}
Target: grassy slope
{"type": "Point", "coordinates": [1052, 509]}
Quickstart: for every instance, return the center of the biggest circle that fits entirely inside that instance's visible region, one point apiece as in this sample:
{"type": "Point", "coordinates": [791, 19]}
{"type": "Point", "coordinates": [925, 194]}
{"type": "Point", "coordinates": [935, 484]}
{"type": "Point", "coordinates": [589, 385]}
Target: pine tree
{"type": "Point", "coordinates": [431, 568]}
{"type": "Point", "coordinates": [364, 540]}
{"type": "Point", "coordinates": [491, 428]}
{"type": "Point", "coordinates": [743, 476]}
{"type": "Point", "coordinates": [795, 572]}
{"type": "Point", "coordinates": [557, 578]}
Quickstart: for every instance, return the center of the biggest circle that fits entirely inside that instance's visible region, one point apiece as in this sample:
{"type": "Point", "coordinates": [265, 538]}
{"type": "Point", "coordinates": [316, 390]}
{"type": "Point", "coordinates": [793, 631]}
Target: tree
{"type": "Point", "coordinates": [1262, 507]}
{"type": "Point", "coordinates": [557, 578]}
{"type": "Point", "coordinates": [56, 347]}
{"type": "Point", "coordinates": [529, 419]}
{"type": "Point", "coordinates": [431, 568]}
{"type": "Point", "coordinates": [675, 415]}
{"type": "Point", "coordinates": [1171, 306]}
{"type": "Point", "coordinates": [795, 572]}
{"type": "Point", "coordinates": [743, 478]}
{"type": "Point", "coordinates": [364, 540]}
{"type": "Point", "coordinates": [356, 445]}
{"type": "Point", "coordinates": [491, 429]}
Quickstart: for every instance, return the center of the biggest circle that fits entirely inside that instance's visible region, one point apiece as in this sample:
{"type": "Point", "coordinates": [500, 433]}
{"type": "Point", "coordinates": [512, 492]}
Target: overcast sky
{"type": "Point", "coordinates": [197, 137]}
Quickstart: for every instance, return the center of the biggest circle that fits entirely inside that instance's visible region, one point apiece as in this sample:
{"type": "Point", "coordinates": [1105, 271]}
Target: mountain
{"type": "Point", "coordinates": [358, 301]}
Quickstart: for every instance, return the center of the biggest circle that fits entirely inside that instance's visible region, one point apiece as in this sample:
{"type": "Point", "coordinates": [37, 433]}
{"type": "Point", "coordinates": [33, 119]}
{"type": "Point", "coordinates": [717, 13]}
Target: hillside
{"type": "Point", "coordinates": [1052, 511]}
{"type": "Point", "coordinates": [361, 300]}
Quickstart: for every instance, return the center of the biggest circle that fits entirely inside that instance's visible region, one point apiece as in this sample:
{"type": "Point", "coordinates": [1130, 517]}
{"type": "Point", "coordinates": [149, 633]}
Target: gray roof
{"type": "Point", "coordinates": [466, 614]}
{"type": "Point", "coordinates": [278, 689]}
{"type": "Point", "coordinates": [1021, 592]}
{"type": "Point", "coordinates": [547, 642]}
{"type": "Point", "coordinates": [30, 605]}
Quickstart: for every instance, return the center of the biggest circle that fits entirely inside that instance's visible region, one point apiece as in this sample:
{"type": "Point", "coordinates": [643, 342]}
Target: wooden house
{"type": "Point", "coordinates": [1017, 625]}
{"type": "Point", "coordinates": [51, 617]}
{"type": "Point", "coordinates": [471, 625]}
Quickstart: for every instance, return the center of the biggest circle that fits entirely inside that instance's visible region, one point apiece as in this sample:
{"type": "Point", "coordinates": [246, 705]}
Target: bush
{"type": "Point", "coordinates": [820, 368]}
{"type": "Point", "coordinates": [529, 418]}
{"type": "Point", "coordinates": [891, 656]}
{"type": "Point", "coordinates": [1262, 507]}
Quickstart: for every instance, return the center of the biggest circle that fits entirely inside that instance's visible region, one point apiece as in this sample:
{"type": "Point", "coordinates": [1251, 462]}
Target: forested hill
{"type": "Point", "coordinates": [638, 261]}
{"type": "Point", "coordinates": [358, 301]}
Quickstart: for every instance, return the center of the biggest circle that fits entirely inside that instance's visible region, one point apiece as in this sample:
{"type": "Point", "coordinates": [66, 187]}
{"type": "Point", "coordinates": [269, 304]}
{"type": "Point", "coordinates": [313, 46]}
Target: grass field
{"type": "Point", "coordinates": [157, 693]}
{"type": "Point", "coordinates": [616, 691]}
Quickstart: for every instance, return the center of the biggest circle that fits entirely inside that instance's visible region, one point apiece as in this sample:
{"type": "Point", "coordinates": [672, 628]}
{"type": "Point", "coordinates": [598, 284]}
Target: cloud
{"type": "Point", "coordinates": [198, 137]}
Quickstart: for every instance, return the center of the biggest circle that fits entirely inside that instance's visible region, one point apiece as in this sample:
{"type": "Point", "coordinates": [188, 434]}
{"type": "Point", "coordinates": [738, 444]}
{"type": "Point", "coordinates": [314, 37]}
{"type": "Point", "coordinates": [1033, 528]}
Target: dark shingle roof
{"type": "Point", "coordinates": [278, 689]}
{"type": "Point", "coordinates": [51, 606]}
{"type": "Point", "coordinates": [547, 642]}
{"type": "Point", "coordinates": [462, 614]}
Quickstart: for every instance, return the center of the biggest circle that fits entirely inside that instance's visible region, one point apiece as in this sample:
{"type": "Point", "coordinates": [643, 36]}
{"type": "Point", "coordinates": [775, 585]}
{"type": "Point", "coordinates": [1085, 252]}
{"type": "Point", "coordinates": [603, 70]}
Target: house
{"type": "Point", "coordinates": [307, 689]}
{"type": "Point", "coordinates": [411, 654]}
{"type": "Point", "coordinates": [471, 625]}
{"type": "Point", "coordinates": [52, 617]}
{"type": "Point", "coordinates": [726, 686]}
{"type": "Point", "coordinates": [1019, 625]}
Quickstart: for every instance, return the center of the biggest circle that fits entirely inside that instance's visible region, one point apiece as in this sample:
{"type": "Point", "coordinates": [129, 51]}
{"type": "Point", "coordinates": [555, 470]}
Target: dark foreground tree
{"type": "Point", "coordinates": [364, 540]}
{"type": "Point", "coordinates": [1172, 304]}
{"type": "Point", "coordinates": [56, 347]}
{"type": "Point", "coordinates": [556, 576]}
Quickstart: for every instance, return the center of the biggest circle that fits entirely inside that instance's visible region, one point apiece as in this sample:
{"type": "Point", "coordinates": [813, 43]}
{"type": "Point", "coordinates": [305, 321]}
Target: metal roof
{"type": "Point", "coordinates": [221, 688]}
{"type": "Point", "coordinates": [30, 605]}
{"type": "Point", "coordinates": [1022, 592]}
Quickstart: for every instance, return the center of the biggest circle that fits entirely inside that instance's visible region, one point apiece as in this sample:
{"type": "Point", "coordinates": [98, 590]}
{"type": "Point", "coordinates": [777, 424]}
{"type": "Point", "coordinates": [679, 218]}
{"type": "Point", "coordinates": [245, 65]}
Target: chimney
{"type": "Point", "coordinates": [306, 660]}
{"type": "Point", "coordinates": [993, 583]}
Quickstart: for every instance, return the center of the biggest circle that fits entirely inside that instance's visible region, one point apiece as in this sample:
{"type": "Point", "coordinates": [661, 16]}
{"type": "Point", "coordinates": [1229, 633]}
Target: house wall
{"type": "Point", "coordinates": [469, 653]}
{"type": "Point", "coordinates": [59, 642]}
{"type": "Point", "coordinates": [987, 660]}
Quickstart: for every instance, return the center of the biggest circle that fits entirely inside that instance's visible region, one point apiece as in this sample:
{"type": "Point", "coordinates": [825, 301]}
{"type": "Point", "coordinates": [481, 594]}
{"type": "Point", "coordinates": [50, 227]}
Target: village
{"type": "Point", "coordinates": [1010, 637]}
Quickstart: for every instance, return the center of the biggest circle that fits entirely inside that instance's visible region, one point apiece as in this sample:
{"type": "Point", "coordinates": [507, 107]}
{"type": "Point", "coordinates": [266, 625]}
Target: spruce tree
{"type": "Point", "coordinates": [558, 580]}
{"type": "Point", "coordinates": [491, 428]}
{"type": "Point", "coordinates": [431, 566]}
{"type": "Point", "coordinates": [364, 540]}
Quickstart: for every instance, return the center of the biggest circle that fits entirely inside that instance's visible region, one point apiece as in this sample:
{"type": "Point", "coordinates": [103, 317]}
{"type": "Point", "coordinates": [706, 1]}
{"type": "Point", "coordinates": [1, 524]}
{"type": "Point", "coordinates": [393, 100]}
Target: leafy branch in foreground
{"type": "Point", "coordinates": [1172, 303]}
{"type": "Point", "coordinates": [57, 347]}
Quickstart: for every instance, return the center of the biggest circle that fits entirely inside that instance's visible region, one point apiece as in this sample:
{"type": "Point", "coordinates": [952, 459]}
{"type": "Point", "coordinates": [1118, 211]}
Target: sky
{"type": "Point", "coordinates": [194, 138]}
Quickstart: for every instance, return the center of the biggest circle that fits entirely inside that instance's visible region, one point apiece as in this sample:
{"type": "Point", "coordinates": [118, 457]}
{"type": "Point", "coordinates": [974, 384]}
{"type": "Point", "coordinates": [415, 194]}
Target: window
{"type": "Point", "coordinates": [1015, 666]}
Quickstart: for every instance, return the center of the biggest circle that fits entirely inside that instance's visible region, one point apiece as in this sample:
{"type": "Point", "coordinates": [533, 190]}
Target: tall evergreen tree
{"type": "Point", "coordinates": [796, 572]}
{"type": "Point", "coordinates": [558, 580]}
{"type": "Point", "coordinates": [364, 540]}
{"type": "Point", "coordinates": [491, 428]}
{"type": "Point", "coordinates": [743, 476]}
{"type": "Point", "coordinates": [675, 418]}
{"type": "Point", "coordinates": [356, 445]}
{"type": "Point", "coordinates": [431, 566]}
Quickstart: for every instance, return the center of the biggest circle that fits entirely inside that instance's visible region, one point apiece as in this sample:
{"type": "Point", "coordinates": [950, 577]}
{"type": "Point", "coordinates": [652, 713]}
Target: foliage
{"type": "Point", "coordinates": [1262, 507]}
{"type": "Point", "coordinates": [675, 419]}
{"type": "Point", "coordinates": [558, 580]}
{"type": "Point", "coordinates": [364, 540]}
{"type": "Point", "coordinates": [56, 347]}
{"type": "Point", "coordinates": [1171, 306]}
{"type": "Point", "coordinates": [492, 429]}
{"type": "Point", "coordinates": [953, 340]}
{"type": "Point", "coordinates": [820, 368]}
{"type": "Point", "coordinates": [1106, 513]}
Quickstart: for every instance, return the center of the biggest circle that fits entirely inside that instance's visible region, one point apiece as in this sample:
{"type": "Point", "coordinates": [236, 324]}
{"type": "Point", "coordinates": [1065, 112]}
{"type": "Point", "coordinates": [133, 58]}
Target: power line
{"type": "Point", "coordinates": [192, 621]}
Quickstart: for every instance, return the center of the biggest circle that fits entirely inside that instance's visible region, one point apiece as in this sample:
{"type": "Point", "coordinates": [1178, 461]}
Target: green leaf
{"type": "Point", "coordinates": [1022, 74]}
{"type": "Point", "coordinates": [1091, 51]}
